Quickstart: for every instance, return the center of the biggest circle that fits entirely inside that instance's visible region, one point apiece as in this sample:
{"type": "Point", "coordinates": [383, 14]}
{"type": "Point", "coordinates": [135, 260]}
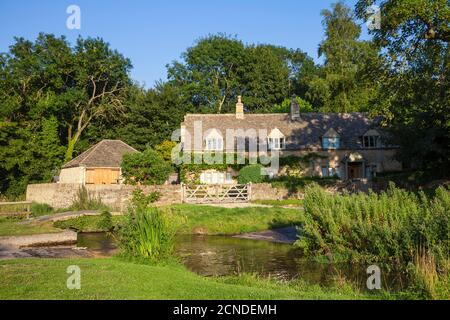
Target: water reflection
{"type": "Point", "coordinates": [221, 256]}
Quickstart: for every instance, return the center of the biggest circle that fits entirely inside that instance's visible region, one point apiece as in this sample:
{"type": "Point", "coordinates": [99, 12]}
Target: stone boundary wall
{"type": "Point", "coordinates": [62, 195]}
{"type": "Point", "coordinates": [265, 191]}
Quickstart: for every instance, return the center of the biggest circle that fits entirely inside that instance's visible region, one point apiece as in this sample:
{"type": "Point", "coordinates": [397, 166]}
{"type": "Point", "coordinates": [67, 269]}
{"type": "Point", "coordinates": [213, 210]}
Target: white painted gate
{"type": "Point", "coordinates": [218, 193]}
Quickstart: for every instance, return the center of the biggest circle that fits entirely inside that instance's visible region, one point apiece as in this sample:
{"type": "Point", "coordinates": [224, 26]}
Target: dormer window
{"type": "Point", "coordinates": [331, 140]}
{"type": "Point", "coordinates": [214, 141]}
{"type": "Point", "coordinates": [276, 140]}
{"type": "Point", "coordinates": [371, 139]}
{"type": "Point", "coordinates": [214, 144]}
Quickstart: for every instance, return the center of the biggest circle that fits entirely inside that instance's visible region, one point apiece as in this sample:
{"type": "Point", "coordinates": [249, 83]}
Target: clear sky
{"type": "Point", "coordinates": [153, 33]}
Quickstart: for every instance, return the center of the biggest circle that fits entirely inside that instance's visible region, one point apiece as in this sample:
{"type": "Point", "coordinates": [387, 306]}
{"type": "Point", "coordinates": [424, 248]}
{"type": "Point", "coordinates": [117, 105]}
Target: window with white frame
{"type": "Point", "coordinates": [331, 143]}
{"type": "Point", "coordinates": [214, 144]}
{"type": "Point", "coordinates": [275, 143]}
{"type": "Point", "coordinates": [215, 177]}
{"type": "Point", "coordinates": [370, 141]}
{"type": "Point", "coordinates": [328, 171]}
{"type": "Point", "coordinates": [213, 141]}
{"type": "Point", "coordinates": [276, 140]}
{"type": "Point", "coordinates": [371, 171]}
{"type": "Point", "coordinates": [331, 140]}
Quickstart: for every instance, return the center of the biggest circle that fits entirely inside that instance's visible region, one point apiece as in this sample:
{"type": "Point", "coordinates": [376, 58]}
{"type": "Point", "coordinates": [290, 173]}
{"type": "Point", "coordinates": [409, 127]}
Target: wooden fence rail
{"type": "Point", "coordinates": [25, 204]}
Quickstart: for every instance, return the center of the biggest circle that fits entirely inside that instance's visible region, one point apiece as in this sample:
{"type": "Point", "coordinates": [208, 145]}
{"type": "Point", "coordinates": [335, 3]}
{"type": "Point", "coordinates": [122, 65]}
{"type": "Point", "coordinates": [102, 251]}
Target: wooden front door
{"type": "Point", "coordinates": [355, 171]}
{"type": "Point", "coordinates": [102, 176]}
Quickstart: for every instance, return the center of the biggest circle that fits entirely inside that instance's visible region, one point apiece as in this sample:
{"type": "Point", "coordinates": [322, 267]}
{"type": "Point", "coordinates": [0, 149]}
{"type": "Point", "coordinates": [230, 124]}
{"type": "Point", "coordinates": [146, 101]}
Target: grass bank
{"type": "Point", "coordinates": [223, 221]}
{"type": "Point", "coordinates": [116, 279]}
{"type": "Point", "coordinates": [191, 219]}
{"type": "Point", "coordinates": [18, 227]}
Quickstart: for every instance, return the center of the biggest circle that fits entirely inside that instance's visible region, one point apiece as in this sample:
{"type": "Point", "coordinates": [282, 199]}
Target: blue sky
{"type": "Point", "coordinates": [153, 33]}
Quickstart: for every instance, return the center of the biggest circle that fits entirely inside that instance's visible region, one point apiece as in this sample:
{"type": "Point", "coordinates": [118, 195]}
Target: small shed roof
{"type": "Point", "coordinates": [105, 154]}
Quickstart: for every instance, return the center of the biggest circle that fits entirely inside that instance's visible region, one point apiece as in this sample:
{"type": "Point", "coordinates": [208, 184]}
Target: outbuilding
{"type": "Point", "coordinates": [100, 164]}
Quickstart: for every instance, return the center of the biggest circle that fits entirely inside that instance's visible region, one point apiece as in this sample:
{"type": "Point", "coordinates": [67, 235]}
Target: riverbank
{"type": "Point", "coordinates": [192, 219]}
{"type": "Point", "coordinates": [113, 278]}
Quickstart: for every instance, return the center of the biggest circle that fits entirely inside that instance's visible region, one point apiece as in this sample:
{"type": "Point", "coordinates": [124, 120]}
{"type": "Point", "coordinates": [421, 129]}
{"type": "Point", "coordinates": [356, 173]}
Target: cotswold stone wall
{"type": "Point", "coordinates": [265, 191]}
{"type": "Point", "coordinates": [117, 197]}
{"type": "Point", "coordinates": [62, 195]}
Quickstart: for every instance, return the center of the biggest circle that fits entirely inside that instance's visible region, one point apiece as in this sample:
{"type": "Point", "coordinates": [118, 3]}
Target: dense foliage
{"type": "Point", "coordinates": [415, 79]}
{"type": "Point", "coordinates": [56, 99]}
{"type": "Point", "coordinates": [388, 226]}
{"type": "Point", "coordinates": [251, 174]}
{"type": "Point", "coordinates": [146, 234]}
{"type": "Point", "coordinates": [396, 227]}
{"type": "Point", "coordinates": [146, 168]}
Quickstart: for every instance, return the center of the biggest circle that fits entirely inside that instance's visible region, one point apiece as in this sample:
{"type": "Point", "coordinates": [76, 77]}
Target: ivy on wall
{"type": "Point", "coordinates": [292, 165]}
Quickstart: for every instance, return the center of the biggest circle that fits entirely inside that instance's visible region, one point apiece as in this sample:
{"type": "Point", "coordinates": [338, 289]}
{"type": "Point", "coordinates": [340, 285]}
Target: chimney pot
{"type": "Point", "coordinates": [295, 109]}
{"type": "Point", "coordinates": [239, 108]}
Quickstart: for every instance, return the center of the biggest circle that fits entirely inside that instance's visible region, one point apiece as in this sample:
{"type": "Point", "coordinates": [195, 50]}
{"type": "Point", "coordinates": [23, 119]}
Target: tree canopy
{"type": "Point", "coordinates": [57, 99]}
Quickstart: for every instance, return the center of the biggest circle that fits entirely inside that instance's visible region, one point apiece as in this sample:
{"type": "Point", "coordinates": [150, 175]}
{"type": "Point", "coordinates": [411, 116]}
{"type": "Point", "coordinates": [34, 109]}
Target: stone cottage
{"type": "Point", "coordinates": [348, 145]}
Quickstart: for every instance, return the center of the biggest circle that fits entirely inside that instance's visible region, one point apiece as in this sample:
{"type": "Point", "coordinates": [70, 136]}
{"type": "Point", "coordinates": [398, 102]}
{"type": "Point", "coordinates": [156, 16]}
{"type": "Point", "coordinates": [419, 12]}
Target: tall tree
{"type": "Point", "coordinates": [211, 72]}
{"type": "Point", "coordinates": [340, 85]}
{"type": "Point", "coordinates": [414, 35]}
{"type": "Point", "coordinates": [219, 68]}
{"type": "Point", "coordinates": [50, 94]}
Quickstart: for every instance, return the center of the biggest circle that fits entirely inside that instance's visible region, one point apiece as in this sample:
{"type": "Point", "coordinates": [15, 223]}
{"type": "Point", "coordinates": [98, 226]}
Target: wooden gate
{"type": "Point", "coordinates": [220, 193]}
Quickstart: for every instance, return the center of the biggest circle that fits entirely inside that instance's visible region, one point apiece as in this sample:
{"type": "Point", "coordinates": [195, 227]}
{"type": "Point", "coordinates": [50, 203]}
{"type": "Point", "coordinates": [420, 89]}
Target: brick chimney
{"type": "Point", "coordinates": [295, 109]}
{"type": "Point", "coordinates": [239, 109]}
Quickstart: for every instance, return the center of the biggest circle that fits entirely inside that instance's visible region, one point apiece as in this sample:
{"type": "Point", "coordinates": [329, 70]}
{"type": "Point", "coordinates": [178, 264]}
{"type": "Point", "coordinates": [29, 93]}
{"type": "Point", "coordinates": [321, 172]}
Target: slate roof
{"type": "Point", "coordinates": [303, 133]}
{"type": "Point", "coordinates": [105, 154]}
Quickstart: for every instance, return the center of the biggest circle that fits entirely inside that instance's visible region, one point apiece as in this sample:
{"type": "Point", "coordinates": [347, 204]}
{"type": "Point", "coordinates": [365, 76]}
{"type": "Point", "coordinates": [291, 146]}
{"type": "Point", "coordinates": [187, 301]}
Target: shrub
{"type": "Point", "coordinates": [141, 200]}
{"type": "Point", "coordinates": [165, 150]}
{"type": "Point", "coordinates": [84, 201]}
{"type": "Point", "coordinates": [147, 168]}
{"type": "Point", "coordinates": [146, 234]}
{"type": "Point", "coordinates": [105, 223]}
{"type": "Point", "coordinates": [391, 226]}
{"type": "Point", "coordinates": [41, 209]}
{"type": "Point", "coordinates": [251, 174]}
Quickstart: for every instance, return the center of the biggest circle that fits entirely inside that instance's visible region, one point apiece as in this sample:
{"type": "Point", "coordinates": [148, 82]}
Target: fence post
{"type": "Point", "coordinates": [182, 192]}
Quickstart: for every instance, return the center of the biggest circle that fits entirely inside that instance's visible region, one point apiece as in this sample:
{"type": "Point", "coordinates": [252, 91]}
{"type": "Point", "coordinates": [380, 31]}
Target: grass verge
{"type": "Point", "coordinates": [17, 227]}
{"type": "Point", "coordinates": [223, 221]}
{"type": "Point", "coordinates": [113, 278]}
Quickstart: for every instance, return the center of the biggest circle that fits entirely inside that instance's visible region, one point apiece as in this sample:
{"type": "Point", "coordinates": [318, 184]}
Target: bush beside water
{"type": "Point", "coordinates": [147, 232]}
{"type": "Point", "coordinates": [396, 227]}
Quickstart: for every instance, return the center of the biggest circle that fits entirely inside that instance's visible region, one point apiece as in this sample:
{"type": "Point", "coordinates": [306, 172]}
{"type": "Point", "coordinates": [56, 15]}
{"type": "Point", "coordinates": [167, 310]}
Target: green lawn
{"type": "Point", "coordinates": [221, 221]}
{"type": "Point", "coordinates": [15, 227]}
{"type": "Point", "coordinates": [281, 203]}
{"type": "Point", "coordinates": [116, 279]}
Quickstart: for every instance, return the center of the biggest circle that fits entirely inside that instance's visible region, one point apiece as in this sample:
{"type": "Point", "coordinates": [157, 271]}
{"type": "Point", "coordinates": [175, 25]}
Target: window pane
{"type": "Point", "coordinates": [325, 172]}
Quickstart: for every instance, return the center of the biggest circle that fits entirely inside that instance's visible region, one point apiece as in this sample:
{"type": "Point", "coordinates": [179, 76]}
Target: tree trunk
{"type": "Point", "coordinates": [70, 147]}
